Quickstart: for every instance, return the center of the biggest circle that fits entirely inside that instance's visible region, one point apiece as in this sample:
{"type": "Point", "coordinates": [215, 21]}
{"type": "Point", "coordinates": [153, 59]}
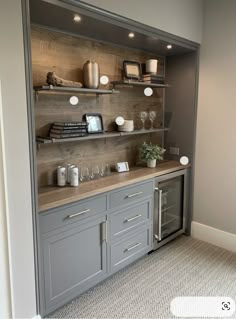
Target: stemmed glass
{"type": "Point", "coordinates": [152, 116]}
{"type": "Point", "coordinates": [143, 116]}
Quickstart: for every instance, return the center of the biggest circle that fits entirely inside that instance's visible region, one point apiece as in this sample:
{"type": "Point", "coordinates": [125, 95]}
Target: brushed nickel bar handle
{"type": "Point", "coordinates": [159, 213]}
{"type": "Point", "coordinates": [77, 214]}
{"type": "Point", "coordinates": [133, 195]}
{"type": "Point", "coordinates": [132, 247]}
{"type": "Point", "coordinates": [104, 231]}
{"type": "Point", "coordinates": [132, 218]}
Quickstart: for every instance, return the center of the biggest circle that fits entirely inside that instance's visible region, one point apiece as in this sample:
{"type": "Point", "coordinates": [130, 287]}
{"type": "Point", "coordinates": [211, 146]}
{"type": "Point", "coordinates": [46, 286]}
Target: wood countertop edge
{"type": "Point", "coordinates": [46, 204]}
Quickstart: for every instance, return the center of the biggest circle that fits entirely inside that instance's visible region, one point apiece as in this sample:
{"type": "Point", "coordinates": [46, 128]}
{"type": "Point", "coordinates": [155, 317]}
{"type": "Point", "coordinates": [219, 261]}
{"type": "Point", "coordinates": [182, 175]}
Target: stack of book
{"type": "Point", "coordinates": [153, 78]}
{"type": "Point", "coordinates": [68, 129]}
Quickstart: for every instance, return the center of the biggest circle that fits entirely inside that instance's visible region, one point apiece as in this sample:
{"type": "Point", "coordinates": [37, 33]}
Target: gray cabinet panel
{"type": "Point", "coordinates": [73, 261]}
{"type": "Point", "coordinates": [123, 221]}
{"type": "Point", "coordinates": [130, 248]}
{"type": "Point", "coordinates": [61, 217]}
{"type": "Point", "coordinates": [130, 194]}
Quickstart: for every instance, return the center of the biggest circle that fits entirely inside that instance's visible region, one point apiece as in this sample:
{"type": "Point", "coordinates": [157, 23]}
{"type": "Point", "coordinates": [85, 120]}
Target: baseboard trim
{"type": "Point", "coordinates": [37, 317]}
{"type": "Point", "coordinates": [214, 236]}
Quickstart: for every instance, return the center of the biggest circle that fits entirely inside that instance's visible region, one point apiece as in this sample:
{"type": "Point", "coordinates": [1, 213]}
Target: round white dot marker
{"type": "Point", "coordinates": [119, 120]}
{"type": "Point", "coordinates": [104, 79]}
{"type": "Point", "coordinates": [184, 160]}
{"type": "Point", "coordinates": [74, 100]}
{"type": "Point", "coordinates": [148, 91]}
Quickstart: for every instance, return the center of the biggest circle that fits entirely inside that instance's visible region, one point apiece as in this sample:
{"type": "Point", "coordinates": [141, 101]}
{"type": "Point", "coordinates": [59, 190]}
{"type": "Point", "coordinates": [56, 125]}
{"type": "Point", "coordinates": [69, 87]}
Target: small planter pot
{"type": "Point", "coordinates": [151, 163]}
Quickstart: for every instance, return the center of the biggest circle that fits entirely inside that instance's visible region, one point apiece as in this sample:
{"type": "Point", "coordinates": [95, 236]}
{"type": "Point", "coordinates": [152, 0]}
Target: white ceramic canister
{"type": "Point", "coordinates": [68, 167]}
{"type": "Point", "coordinates": [151, 66]}
{"type": "Point", "coordinates": [74, 176]}
{"type": "Point", "coordinates": [91, 74]}
{"type": "Point", "coordinates": [61, 176]}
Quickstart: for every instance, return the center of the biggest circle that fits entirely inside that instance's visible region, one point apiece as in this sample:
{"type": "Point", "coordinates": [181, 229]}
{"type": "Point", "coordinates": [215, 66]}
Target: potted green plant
{"type": "Point", "coordinates": [150, 153]}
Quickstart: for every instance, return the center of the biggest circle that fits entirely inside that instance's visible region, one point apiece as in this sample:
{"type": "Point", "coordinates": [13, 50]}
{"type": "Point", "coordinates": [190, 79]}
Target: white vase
{"type": "Point", "coordinates": [151, 163]}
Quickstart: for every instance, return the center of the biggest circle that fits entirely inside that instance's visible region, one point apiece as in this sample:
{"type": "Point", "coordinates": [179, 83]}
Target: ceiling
{"type": "Point", "coordinates": [61, 18]}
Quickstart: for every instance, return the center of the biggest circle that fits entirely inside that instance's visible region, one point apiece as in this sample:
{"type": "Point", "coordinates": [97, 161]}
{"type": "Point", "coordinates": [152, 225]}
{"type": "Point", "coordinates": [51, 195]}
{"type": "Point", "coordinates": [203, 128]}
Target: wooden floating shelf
{"type": "Point", "coordinates": [143, 84]}
{"type": "Point", "coordinates": [48, 140]}
{"type": "Point", "coordinates": [59, 89]}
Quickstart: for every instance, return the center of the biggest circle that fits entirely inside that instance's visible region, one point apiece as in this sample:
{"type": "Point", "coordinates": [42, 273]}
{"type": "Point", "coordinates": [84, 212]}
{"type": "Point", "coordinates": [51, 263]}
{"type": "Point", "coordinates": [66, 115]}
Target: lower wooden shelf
{"type": "Point", "coordinates": [48, 140]}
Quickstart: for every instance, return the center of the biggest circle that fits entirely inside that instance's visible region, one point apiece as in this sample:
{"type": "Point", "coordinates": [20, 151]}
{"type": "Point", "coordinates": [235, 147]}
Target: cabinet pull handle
{"type": "Point", "coordinates": [104, 231]}
{"type": "Point", "coordinates": [132, 247]}
{"type": "Point", "coordinates": [132, 218]}
{"type": "Point", "coordinates": [133, 195]}
{"type": "Point", "coordinates": [80, 213]}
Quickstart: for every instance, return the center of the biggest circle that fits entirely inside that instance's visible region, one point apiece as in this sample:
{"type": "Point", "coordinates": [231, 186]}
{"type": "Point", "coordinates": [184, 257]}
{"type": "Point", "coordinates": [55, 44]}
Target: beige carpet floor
{"type": "Point", "coordinates": [184, 267]}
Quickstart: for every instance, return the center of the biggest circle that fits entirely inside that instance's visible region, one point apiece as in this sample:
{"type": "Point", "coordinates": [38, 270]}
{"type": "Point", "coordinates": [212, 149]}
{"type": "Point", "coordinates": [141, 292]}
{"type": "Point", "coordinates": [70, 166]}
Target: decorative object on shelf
{"type": "Point", "coordinates": [119, 120]}
{"type": "Point", "coordinates": [153, 78]}
{"type": "Point", "coordinates": [91, 74]}
{"type": "Point", "coordinates": [152, 115]}
{"type": "Point", "coordinates": [150, 153]}
{"type": "Point", "coordinates": [132, 70]}
{"type": "Point", "coordinates": [184, 160]}
{"type": "Point", "coordinates": [68, 129]}
{"type": "Point", "coordinates": [53, 79]}
{"type": "Point", "coordinates": [95, 122]}
{"type": "Point", "coordinates": [148, 91]}
{"type": "Point", "coordinates": [143, 116]}
{"type": "Point", "coordinates": [127, 126]}
{"type": "Point", "coordinates": [104, 79]}
{"type": "Point", "coordinates": [122, 167]}
{"type": "Point", "coordinates": [151, 66]}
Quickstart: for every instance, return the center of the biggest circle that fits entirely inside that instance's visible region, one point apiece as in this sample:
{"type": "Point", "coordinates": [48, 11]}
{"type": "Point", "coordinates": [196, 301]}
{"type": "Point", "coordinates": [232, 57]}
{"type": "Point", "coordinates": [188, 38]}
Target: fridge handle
{"type": "Point", "coordinates": [159, 212]}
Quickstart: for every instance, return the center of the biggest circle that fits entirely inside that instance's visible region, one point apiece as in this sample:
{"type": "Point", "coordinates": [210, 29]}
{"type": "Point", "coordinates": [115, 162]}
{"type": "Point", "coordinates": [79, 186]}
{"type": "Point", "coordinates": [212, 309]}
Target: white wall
{"type": "Point", "coordinates": [15, 154]}
{"type": "Point", "coordinates": [180, 17]}
{"type": "Point", "coordinates": [215, 173]}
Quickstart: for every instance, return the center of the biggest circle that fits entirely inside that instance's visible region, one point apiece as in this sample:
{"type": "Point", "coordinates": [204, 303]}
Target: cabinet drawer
{"type": "Point", "coordinates": [129, 218]}
{"type": "Point", "coordinates": [127, 250]}
{"type": "Point", "coordinates": [64, 216]}
{"type": "Point", "coordinates": [130, 194]}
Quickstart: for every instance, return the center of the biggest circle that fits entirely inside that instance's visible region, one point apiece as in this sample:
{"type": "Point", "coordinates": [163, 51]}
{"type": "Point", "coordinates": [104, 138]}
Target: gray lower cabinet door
{"type": "Point", "coordinates": [73, 261]}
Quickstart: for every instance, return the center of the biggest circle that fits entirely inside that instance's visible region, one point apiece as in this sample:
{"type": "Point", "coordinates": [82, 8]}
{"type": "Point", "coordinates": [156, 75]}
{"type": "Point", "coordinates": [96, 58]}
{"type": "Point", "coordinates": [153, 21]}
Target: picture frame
{"type": "Point", "coordinates": [132, 70]}
{"type": "Point", "coordinates": [95, 122]}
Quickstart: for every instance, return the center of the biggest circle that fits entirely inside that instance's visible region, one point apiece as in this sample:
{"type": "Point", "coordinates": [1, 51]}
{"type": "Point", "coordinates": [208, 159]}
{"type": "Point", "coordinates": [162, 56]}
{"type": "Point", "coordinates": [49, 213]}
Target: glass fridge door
{"type": "Point", "coordinates": [170, 206]}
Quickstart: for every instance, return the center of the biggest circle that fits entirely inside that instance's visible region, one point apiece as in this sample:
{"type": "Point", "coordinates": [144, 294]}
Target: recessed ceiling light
{"type": "Point", "coordinates": [169, 46]}
{"type": "Point", "coordinates": [77, 18]}
{"type": "Point", "coordinates": [131, 35]}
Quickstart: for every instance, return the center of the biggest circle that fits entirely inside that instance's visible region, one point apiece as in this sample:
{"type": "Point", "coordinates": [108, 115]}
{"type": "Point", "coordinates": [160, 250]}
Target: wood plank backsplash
{"type": "Point", "coordinates": [54, 51]}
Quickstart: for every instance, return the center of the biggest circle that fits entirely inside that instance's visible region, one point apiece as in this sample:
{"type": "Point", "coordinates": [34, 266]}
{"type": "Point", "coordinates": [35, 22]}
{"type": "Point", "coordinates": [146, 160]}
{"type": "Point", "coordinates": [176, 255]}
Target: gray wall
{"type": "Point", "coordinates": [215, 173]}
{"type": "Point", "coordinates": [180, 17]}
{"type": "Point", "coordinates": [16, 192]}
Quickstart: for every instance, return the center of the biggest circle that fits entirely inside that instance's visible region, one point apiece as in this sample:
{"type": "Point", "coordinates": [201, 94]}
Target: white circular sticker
{"type": "Point", "coordinates": [184, 160]}
{"type": "Point", "coordinates": [148, 91]}
{"type": "Point", "coordinates": [104, 79]}
{"type": "Point", "coordinates": [119, 120]}
{"type": "Point", "coordinates": [74, 100]}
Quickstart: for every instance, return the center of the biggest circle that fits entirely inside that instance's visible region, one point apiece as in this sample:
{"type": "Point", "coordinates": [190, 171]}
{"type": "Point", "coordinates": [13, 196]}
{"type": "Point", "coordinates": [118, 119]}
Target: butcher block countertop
{"type": "Point", "coordinates": [55, 196]}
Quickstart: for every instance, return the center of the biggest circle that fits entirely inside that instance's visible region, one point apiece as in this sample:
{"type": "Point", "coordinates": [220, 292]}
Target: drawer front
{"type": "Point", "coordinates": [68, 215]}
{"type": "Point", "coordinates": [129, 218]}
{"type": "Point", "coordinates": [131, 194]}
{"type": "Point", "coordinates": [129, 249]}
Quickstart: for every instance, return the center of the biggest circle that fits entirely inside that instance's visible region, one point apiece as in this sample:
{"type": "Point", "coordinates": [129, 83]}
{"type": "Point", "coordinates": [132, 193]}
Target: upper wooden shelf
{"type": "Point", "coordinates": [48, 140]}
{"type": "Point", "coordinates": [142, 84]}
{"type": "Point", "coordinates": [55, 89]}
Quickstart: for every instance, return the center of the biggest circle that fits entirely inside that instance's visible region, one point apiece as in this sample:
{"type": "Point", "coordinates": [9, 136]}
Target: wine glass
{"type": "Point", "coordinates": [152, 116]}
{"type": "Point", "coordinates": [95, 172]}
{"type": "Point", "coordinates": [143, 116]}
{"type": "Point", "coordinates": [84, 174]}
